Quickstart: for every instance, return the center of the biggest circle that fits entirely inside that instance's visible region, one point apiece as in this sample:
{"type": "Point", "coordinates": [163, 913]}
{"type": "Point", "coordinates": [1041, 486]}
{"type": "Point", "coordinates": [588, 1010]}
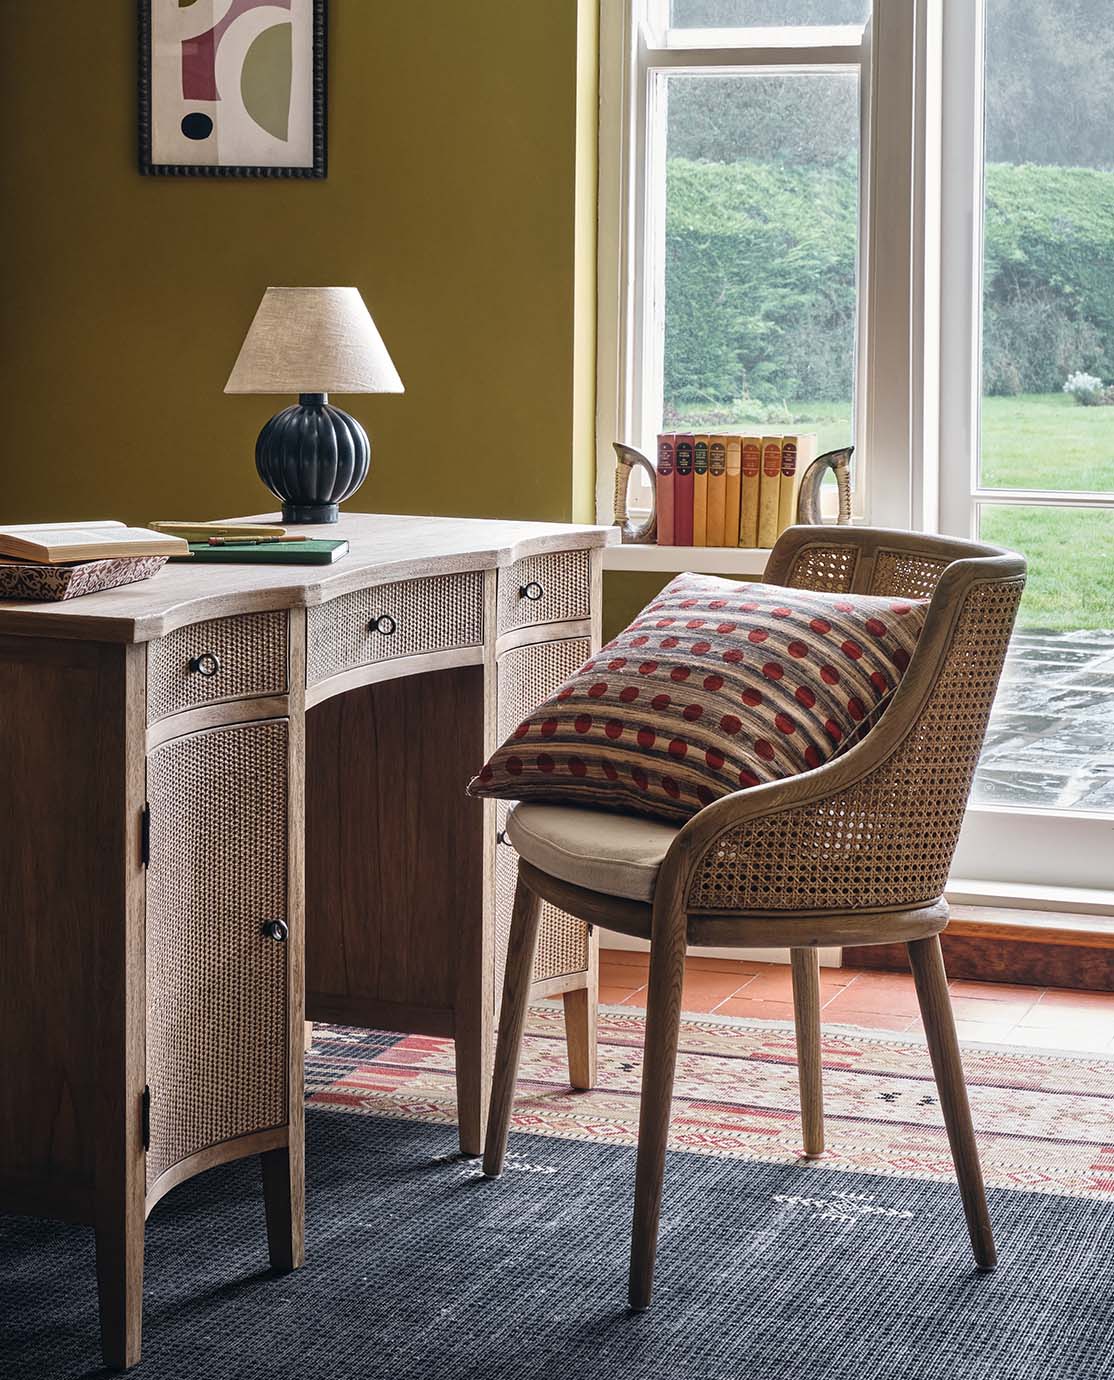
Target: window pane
{"type": "Point", "coordinates": [762, 209]}
{"type": "Point", "coordinates": [1051, 738]}
{"type": "Point", "coordinates": [1048, 300]}
{"type": "Point", "coordinates": [744, 14]}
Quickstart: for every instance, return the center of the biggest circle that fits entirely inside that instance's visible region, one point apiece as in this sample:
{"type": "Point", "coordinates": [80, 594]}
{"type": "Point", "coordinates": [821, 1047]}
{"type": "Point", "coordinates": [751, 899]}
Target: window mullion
{"type": "Point", "coordinates": [888, 421]}
{"type": "Point", "coordinates": [961, 263]}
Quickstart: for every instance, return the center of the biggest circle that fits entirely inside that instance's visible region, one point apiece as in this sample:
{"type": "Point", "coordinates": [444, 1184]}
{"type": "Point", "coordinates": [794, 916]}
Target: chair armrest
{"type": "Point", "coordinates": [876, 826]}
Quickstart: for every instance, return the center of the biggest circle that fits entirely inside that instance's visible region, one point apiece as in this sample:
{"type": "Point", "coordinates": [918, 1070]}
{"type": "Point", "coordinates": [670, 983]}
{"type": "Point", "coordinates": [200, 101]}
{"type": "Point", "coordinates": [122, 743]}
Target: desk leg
{"type": "Point", "coordinates": [580, 1037]}
{"type": "Point", "coordinates": [120, 1289]}
{"type": "Point", "coordinates": [474, 1051]}
{"type": "Point", "coordinates": [284, 1202]}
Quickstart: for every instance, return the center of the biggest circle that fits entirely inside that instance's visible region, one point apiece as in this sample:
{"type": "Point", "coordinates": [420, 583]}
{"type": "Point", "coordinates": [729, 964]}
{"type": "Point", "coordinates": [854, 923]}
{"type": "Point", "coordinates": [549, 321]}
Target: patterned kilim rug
{"type": "Point", "coordinates": [1045, 1120]}
{"type": "Point", "coordinates": [853, 1269]}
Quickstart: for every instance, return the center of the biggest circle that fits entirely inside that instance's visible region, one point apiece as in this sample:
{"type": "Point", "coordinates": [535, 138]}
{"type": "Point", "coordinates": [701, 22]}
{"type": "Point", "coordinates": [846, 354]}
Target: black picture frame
{"type": "Point", "coordinates": [319, 167]}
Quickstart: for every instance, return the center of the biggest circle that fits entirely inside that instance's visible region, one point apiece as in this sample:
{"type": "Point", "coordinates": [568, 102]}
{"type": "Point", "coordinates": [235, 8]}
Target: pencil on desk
{"type": "Point", "coordinates": [251, 541]}
{"type": "Point", "coordinates": [201, 531]}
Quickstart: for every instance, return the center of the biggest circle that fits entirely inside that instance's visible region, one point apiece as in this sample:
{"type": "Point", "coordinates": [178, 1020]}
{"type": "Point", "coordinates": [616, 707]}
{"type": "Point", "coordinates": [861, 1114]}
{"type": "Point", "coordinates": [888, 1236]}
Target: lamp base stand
{"type": "Point", "coordinates": [310, 512]}
{"type": "Point", "coordinates": [312, 457]}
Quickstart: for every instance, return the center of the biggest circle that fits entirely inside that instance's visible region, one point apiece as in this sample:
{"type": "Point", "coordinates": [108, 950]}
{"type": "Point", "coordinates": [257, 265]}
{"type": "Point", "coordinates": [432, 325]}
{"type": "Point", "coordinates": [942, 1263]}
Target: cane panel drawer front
{"type": "Point", "coordinates": [552, 588]}
{"type": "Point", "coordinates": [221, 659]}
{"type": "Point", "coordinates": [216, 938]}
{"type": "Point", "coordinates": [383, 622]}
{"type": "Point", "coordinates": [526, 676]}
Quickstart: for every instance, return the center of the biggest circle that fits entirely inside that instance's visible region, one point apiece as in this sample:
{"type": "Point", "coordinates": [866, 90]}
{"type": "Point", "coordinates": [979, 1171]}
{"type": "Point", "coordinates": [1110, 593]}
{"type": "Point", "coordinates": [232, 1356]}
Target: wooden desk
{"type": "Point", "coordinates": [234, 798]}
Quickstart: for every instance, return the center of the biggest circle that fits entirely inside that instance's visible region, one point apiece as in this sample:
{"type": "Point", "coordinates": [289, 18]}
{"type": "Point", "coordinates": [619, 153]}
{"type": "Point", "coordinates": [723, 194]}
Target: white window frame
{"type": "Point", "coordinates": [1019, 853]}
{"type": "Point", "coordinates": [892, 418]}
{"type": "Point", "coordinates": [919, 380]}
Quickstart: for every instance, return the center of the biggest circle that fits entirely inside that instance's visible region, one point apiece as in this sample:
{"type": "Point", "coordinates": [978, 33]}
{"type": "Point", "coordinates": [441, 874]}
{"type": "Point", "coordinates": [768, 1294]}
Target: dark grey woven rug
{"type": "Point", "coordinates": [419, 1269]}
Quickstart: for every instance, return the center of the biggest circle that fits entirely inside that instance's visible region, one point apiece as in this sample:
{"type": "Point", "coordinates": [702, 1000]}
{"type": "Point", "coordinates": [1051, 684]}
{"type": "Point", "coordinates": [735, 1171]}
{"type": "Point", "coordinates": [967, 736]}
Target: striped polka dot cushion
{"type": "Point", "coordinates": [715, 686]}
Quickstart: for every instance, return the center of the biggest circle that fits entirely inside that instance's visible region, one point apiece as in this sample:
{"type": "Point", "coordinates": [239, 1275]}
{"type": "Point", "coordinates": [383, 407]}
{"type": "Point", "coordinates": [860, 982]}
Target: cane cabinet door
{"type": "Point", "coordinates": [217, 950]}
{"type": "Point", "coordinates": [528, 675]}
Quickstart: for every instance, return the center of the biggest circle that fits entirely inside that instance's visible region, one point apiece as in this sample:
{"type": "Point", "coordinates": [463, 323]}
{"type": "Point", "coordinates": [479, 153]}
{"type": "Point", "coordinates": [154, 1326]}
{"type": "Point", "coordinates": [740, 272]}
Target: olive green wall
{"type": "Point", "coordinates": [627, 592]}
{"type": "Point", "coordinates": [454, 201]}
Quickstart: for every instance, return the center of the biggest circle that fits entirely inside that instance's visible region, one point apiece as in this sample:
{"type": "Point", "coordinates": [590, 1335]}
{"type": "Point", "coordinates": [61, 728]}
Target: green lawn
{"type": "Point", "coordinates": [831, 421]}
{"type": "Point", "coordinates": [1047, 442]}
{"type": "Point", "coordinates": [1050, 442]}
{"type": "Point", "coordinates": [1029, 442]}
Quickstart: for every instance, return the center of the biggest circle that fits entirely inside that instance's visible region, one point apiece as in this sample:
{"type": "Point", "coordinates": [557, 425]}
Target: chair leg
{"type": "Point", "coordinates": [806, 1016]}
{"type": "Point", "coordinates": [663, 1021]}
{"type": "Point", "coordinates": [512, 1020]}
{"type": "Point", "coordinates": [936, 1010]}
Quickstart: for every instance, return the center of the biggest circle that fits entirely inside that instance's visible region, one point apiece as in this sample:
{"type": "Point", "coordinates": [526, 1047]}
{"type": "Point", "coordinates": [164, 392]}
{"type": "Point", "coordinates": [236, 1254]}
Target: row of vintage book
{"type": "Point", "coordinates": [728, 490]}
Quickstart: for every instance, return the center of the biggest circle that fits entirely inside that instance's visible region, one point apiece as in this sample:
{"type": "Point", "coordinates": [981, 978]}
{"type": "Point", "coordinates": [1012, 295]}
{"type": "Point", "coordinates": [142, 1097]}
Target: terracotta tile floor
{"type": "Point", "coordinates": [1052, 1018]}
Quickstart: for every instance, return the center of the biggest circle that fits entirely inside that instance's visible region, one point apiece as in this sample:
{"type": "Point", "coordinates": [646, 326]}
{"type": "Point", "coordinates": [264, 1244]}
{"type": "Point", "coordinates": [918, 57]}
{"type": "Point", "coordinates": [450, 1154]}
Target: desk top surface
{"type": "Point", "coordinates": [383, 548]}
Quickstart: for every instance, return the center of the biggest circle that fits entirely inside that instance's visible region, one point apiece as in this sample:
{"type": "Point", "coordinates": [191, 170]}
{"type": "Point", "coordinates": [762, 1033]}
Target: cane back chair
{"type": "Point", "coordinates": [854, 852]}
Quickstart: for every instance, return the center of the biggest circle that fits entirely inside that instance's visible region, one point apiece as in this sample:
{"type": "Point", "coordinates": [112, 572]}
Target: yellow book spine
{"type": "Point", "coordinates": [717, 488]}
{"type": "Point", "coordinates": [807, 451]}
{"type": "Point", "coordinates": [732, 488]}
{"type": "Point", "coordinates": [790, 480]}
{"type": "Point", "coordinates": [769, 492]}
{"type": "Point", "coordinates": [700, 491]}
{"type": "Point", "coordinates": [751, 481]}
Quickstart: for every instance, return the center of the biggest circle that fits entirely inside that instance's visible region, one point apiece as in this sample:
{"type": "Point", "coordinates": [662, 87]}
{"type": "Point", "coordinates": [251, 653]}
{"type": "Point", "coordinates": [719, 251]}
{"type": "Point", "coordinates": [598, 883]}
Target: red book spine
{"type": "Point", "coordinates": [683, 492]}
{"type": "Point", "coordinates": [666, 445]}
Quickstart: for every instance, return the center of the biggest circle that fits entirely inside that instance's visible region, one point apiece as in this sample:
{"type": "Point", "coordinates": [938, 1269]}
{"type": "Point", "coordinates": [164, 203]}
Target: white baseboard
{"type": "Point", "coordinates": [609, 939]}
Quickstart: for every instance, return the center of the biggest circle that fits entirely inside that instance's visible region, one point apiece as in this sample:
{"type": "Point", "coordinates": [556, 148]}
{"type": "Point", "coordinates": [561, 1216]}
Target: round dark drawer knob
{"type": "Point", "coordinates": [276, 930]}
{"type": "Point", "coordinates": [501, 836]}
{"type": "Point", "coordinates": [384, 624]}
{"type": "Point", "coordinates": [207, 664]}
{"type": "Point", "coordinates": [533, 591]}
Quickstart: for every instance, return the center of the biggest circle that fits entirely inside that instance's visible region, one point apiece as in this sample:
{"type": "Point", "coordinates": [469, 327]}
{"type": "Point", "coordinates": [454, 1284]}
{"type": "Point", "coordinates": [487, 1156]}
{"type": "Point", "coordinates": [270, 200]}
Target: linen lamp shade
{"type": "Point", "coordinates": [313, 341]}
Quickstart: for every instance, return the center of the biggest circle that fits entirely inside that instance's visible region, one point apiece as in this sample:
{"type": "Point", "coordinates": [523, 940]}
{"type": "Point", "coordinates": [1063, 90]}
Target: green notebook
{"type": "Point", "coordinates": [268, 553]}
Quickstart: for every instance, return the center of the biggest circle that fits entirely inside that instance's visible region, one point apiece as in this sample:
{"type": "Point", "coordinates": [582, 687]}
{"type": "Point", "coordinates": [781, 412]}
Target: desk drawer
{"type": "Point", "coordinates": [554, 588]}
{"type": "Point", "coordinates": [222, 659]}
{"type": "Point", "coordinates": [389, 621]}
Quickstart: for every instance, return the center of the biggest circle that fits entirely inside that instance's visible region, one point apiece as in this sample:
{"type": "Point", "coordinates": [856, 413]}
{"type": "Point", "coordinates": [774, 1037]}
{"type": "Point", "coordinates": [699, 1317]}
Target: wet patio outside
{"type": "Point", "coordinates": [1051, 738]}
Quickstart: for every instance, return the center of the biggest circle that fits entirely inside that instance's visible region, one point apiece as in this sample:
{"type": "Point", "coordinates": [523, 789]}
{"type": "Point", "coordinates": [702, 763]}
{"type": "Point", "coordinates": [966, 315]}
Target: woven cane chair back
{"type": "Point", "coordinates": [878, 826]}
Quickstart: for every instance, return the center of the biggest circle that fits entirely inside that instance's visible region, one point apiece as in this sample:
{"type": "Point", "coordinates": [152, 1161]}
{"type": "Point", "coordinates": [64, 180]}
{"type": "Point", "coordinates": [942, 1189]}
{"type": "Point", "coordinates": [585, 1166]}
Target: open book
{"type": "Point", "coordinates": [54, 543]}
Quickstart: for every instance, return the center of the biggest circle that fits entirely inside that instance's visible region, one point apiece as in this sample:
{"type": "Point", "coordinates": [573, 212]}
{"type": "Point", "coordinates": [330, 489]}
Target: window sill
{"type": "Point", "coordinates": [704, 560]}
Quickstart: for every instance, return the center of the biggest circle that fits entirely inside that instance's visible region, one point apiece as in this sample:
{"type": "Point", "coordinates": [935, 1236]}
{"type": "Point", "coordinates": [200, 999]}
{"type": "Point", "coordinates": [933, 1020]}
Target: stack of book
{"type": "Point", "coordinates": [729, 490]}
{"type": "Point", "coordinates": [62, 560]}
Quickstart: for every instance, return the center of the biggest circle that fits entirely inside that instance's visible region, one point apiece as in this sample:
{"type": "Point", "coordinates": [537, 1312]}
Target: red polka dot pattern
{"type": "Point", "coordinates": [707, 692]}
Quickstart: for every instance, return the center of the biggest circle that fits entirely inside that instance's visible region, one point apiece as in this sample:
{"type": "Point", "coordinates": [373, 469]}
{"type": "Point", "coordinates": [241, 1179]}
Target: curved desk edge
{"type": "Point", "coordinates": [383, 549]}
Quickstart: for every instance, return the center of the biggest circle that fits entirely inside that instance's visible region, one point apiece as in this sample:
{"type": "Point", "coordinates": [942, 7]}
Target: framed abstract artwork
{"type": "Point", "coordinates": [232, 88]}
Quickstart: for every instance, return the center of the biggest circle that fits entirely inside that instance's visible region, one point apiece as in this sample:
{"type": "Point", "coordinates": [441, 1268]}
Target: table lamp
{"type": "Point", "coordinates": [313, 341]}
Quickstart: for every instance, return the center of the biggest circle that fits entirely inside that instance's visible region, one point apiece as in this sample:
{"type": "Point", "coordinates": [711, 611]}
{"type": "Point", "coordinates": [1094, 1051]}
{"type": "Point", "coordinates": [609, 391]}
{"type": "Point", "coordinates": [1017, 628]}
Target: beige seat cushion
{"type": "Point", "coordinates": [617, 854]}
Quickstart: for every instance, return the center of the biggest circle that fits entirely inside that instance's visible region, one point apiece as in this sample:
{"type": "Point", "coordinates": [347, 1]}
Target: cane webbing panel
{"type": "Point", "coordinates": [888, 840]}
{"type": "Point", "coordinates": [251, 659]}
{"type": "Point", "coordinates": [566, 590]}
{"type": "Point", "coordinates": [901, 575]}
{"type": "Point", "coordinates": [830, 569]}
{"type": "Point", "coordinates": [216, 985]}
{"type": "Point", "coordinates": [528, 675]}
{"type": "Point", "coordinates": [430, 615]}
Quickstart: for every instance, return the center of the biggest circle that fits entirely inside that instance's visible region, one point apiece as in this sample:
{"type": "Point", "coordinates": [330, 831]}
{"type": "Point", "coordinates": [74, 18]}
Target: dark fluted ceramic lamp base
{"type": "Point", "coordinates": [310, 512]}
{"type": "Point", "coordinates": [312, 456]}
